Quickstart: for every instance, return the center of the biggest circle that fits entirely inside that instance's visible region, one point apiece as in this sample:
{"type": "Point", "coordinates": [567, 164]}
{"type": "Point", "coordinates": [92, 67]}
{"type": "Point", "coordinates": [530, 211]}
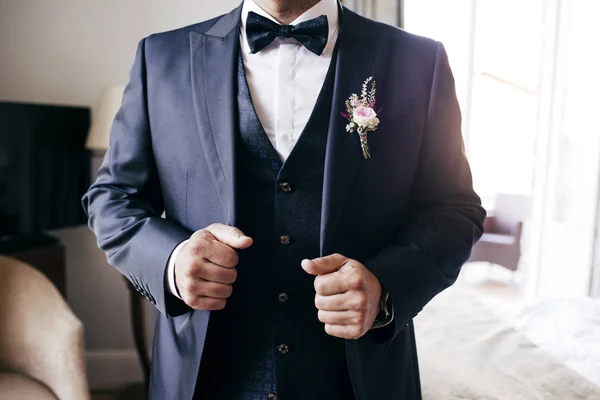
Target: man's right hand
{"type": "Point", "coordinates": [205, 266]}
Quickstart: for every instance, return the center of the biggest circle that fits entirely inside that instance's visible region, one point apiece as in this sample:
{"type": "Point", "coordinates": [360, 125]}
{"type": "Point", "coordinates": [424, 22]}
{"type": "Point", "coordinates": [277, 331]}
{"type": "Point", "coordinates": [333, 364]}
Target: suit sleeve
{"type": "Point", "coordinates": [446, 217]}
{"type": "Point", "coordinates": [125, 204]}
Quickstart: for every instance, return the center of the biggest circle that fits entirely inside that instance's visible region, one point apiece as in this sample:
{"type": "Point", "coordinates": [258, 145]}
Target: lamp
{"type": "Point", "coordinates": [103, 115]}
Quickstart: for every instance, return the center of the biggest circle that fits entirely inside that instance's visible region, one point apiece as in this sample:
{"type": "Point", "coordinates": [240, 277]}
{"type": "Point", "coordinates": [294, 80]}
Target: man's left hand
{"type": "Point", "coordinates": [347, 295]}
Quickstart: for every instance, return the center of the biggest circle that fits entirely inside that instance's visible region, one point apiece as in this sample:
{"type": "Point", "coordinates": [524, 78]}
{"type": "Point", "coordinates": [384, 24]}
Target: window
{"type": "Point", "coordinates": [527, 81]}
{"type": "Point", "coordinates": [495, 49]}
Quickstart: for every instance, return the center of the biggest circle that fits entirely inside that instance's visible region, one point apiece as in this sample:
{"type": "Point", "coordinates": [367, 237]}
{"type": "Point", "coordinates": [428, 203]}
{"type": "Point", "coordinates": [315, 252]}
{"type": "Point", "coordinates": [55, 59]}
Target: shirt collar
{"type": "Point", "coordinates": [323, 7]}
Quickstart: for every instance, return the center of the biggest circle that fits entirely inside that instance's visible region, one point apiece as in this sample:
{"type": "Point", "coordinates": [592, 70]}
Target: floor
{"type": "Point", "coordinates": [133, 392]}
{"type": "Point", "coordinates": [494, 285]}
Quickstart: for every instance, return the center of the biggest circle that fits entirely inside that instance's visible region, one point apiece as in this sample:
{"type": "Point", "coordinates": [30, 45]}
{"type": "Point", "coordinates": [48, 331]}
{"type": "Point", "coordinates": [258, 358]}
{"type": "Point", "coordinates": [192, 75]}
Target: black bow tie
{"type": "Point", "coordinates": [261, 31]}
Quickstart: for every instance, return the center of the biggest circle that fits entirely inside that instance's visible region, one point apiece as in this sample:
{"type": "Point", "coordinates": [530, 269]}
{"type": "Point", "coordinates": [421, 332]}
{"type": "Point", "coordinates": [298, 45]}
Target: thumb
{"type": "Point", "coordinates": [230, 235]}
{"type": "Point", "coordinates": [324, 265]}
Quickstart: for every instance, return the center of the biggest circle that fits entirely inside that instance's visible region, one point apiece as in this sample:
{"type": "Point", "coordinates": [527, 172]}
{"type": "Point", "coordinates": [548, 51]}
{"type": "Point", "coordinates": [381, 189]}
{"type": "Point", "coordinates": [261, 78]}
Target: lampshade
{"type": "Point", "coordinates": [103, 115]}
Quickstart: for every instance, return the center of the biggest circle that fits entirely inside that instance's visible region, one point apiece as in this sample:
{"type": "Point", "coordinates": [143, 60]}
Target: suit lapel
{"type": "Point", "coordinates": [358, 58]}
{"type": "Point", "coordinates": [213, 66]}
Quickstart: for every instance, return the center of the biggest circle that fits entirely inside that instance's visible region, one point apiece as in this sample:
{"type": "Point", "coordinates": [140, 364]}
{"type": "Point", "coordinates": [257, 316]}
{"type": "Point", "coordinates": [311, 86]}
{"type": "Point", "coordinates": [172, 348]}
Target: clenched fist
{"type": "Point", "coordinates": [205, 266]}
{"type": "Point", "coordinates": [347, 295]}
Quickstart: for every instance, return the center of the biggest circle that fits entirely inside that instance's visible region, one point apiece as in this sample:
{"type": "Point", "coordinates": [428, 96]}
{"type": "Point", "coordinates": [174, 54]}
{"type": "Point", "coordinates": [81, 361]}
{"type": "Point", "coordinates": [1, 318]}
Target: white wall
{"type": "Point", "coordinates": [64, 52]}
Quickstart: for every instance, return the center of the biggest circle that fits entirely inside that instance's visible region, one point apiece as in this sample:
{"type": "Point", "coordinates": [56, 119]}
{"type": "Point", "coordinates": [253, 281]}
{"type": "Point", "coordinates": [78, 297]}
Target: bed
{"type": "Point", "coordinates": [469, 350]}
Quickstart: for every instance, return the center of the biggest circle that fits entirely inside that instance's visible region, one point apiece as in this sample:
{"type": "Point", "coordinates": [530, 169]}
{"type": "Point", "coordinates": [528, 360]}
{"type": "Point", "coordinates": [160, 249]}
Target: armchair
{"type": "Point", "coordinates": [501, 242]}
{"type": "Point", "coordinates": [41, 340]}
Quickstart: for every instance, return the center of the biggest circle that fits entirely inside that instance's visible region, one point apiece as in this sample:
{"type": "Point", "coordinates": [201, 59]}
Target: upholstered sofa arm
{"type": "Point", "coordinates": [40, 337]}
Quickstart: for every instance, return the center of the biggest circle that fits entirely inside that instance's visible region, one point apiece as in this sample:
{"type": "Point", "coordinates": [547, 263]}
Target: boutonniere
{"type": "Point", "coordinates": [361, 115]}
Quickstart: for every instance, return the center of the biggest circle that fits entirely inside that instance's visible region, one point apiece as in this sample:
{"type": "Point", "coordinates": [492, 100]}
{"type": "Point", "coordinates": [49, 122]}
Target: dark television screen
{"type": "Point", "coordinates": [44, 167]}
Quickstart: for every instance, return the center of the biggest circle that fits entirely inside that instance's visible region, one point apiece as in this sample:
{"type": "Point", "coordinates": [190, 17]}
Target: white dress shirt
{"type": "Point", "coordinates": [285, 80]}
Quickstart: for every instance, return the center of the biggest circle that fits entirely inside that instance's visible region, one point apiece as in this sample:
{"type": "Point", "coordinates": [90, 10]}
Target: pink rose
{"type": "Point", "coordinates": [365, 117]}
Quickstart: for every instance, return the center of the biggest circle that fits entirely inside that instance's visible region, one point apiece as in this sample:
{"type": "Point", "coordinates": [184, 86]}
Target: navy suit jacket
{"type": "Point", "coordinates": [409, 213]}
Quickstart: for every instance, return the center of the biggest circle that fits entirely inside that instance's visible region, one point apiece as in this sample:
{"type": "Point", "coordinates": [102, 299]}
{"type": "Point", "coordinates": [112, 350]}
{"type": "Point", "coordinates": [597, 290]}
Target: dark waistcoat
{"type": "Point", "coordinates": [268, 339]}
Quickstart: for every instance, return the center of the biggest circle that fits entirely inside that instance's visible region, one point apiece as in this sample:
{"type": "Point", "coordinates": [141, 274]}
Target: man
{"type": "Point", "coordinates": [302, 233]}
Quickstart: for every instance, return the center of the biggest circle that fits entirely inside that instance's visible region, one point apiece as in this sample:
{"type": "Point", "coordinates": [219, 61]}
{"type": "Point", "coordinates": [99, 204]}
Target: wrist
{"type": "Point", "coordinates": [171, 282]}
{"type": "Point", "coordinates": [386, 310]}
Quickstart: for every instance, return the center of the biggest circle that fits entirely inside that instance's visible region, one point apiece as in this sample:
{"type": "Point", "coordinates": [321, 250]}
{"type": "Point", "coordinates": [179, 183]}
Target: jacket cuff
{"type": "Point", "coordinates": [411, 279]}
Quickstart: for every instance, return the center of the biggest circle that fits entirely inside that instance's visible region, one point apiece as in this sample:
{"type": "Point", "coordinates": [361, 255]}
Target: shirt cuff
{"type": "Point", "coordinates": [171, 284]}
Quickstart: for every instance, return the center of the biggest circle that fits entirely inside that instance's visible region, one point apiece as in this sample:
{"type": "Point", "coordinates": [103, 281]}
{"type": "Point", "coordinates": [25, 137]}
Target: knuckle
{"type": "Point", "coordinates": [357, 320]}
{"type": "Point", "coordinates": [234, 231]}
{"type": "Point", "coordinates": [186, 286]}
{"type": "Point", "coordinates": [228, 291]}
{"type": "Point", "coordinates": [197, 237]}
{"type": "Point", "coordinates": [186, 253]}
{"type": "Point", "coordinates": [236, 258]}
{"type": "Point", "coordinates": [318, 285]}
{"type": "Point", "coordinates": [208, 303]}
{"type": "Point", "coordinates": [191, 269]}
{"type": "Point", "coordinates": [232, 258]}
{"type": "Point", "coordinates": [318, 301]}
{"type": "Point", "coordinates": [219, 304]}
{"type": "Point", "coordinates": [203, 303]}
{"type": "Point", "coordinates": [321, 316]}
{"type": "Point", "coordinates": [193, 247]}
{"type": "Point", "coordinates": [233, 276]}
{"type": "Point", "coordinates": [182, 267]}
{"type": "Point", "coordinates": [204, 236]}
{"type": "Point", "coordinates": [190, 300]}
{"type": "Point", "coordinates": [361, 320]}
{"type": "Point", "coordinates": [361, 302]}
{"type": "Point", "coordinates": [356, 282]}
{"type": "Point", "coordinates": [354, 332]}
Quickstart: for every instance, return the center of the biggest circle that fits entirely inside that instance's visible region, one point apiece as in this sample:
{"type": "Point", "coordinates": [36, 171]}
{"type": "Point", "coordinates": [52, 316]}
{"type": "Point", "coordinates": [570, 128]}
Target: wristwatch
{"type": "Point", "coordinates": [386, 310]}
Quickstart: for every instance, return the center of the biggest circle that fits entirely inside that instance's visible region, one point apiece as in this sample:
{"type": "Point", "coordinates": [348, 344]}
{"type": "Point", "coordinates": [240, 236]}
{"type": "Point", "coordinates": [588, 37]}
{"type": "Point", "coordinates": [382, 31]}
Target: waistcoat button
{"type": "Point", "coordinates": [283, 297]}
{"type": "Point", "coordinates": [285, 240]}
{"type": "Point", "coordinates": [271, 396]}
{"type": "Point", "coordinates": [283, 348]}
{"type": "Point", "coordinates": [285, 187]}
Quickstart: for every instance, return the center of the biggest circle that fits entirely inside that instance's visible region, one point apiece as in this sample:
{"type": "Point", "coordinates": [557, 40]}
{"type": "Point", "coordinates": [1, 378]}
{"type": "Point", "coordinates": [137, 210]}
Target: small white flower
{"type": "Point", "coordinates": [350, 127]}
